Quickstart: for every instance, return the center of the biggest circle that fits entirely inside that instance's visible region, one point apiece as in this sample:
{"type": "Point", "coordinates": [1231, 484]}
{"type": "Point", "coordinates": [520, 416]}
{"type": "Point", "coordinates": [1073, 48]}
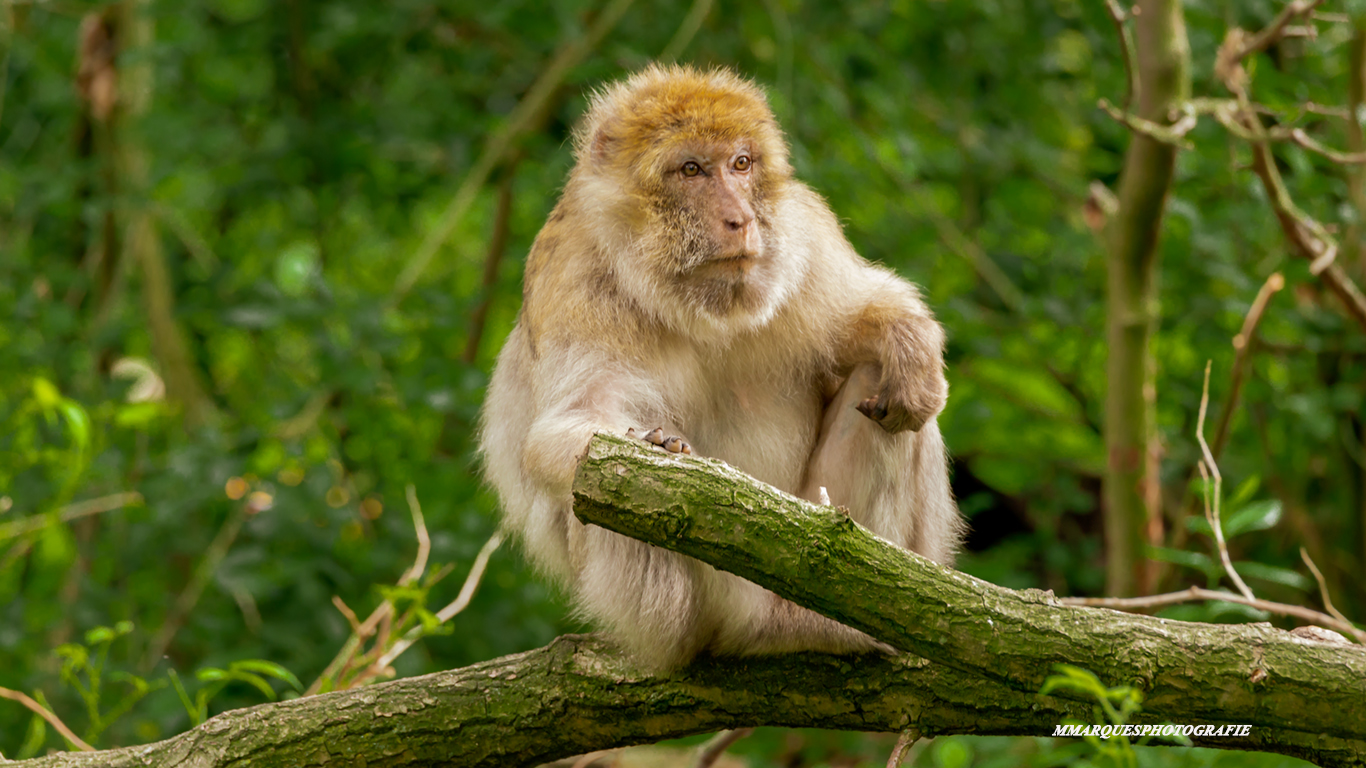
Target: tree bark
{"type": "Point", "coordinates": [578, 695]}
{"type": "Point", "coordinates": [1131, 491]}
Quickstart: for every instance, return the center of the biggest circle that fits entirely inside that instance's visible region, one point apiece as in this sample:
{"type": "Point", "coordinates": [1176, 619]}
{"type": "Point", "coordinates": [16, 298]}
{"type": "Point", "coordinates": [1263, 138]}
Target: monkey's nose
{"type": "Point", "coordinates": [737, 223]}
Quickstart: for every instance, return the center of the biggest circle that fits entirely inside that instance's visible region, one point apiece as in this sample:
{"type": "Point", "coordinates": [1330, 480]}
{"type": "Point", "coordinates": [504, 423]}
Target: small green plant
{"type": "Point", "coordinates": [253, 672]}
{"type": "Point", "coordinates": [83, 668]}
{"type": "Point", "coordinates": [1112, 707]}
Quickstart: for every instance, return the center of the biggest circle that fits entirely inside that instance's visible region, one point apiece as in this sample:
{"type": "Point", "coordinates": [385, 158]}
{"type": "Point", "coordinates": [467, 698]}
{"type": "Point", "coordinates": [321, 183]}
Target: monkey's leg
{"type": "Point", "coordinates": [896, 485]}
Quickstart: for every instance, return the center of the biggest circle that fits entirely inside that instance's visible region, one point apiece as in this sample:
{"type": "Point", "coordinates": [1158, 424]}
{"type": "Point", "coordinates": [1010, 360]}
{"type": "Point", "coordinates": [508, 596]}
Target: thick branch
{"type": "Point", "coordinates": [576, 695]}
{"type": "Point", "coordinates": [818, 557]}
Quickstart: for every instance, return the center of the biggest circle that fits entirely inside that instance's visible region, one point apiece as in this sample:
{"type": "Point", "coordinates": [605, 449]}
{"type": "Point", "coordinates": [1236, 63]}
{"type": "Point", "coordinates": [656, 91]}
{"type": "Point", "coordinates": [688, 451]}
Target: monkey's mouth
{"type": "Point", "coordinates": [736, 258]}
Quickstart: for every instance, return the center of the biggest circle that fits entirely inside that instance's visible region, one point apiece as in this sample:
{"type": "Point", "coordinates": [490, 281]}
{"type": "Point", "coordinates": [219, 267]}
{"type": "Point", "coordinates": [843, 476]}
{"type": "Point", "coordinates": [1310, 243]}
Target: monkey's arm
{"type": "Point", "coordinates": [591, 393]}
{"type": "Point", "coordinates": [894, 328]}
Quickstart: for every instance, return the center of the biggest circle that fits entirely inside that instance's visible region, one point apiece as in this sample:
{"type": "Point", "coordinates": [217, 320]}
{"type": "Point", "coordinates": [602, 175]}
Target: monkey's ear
{"type": "Point", "coordinates": [603, 143]}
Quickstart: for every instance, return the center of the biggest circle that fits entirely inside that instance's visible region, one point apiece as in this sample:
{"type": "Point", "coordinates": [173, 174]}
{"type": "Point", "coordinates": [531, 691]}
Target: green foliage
{"type": "Point", "coordinates": [252, 672]}
{"type": "Point", "coordinates": [1112, 707]}
{"type": "Point", "coordinates": [83, 669]}
{"type": "Point", "coordinates": [296, 155]}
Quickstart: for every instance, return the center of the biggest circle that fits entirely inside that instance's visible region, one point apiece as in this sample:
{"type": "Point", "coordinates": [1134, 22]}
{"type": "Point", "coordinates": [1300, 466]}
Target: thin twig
{"type": "Point", "coordinates": [1323, 587]}
{"type": "Point", "coordinates": [592, 757]}
{"type": "Point", "coordinates": [1126, 48]}
{"type": "Point", "coordinates": [709, 753]}
{"type": "Point", "coordinates": [525, 115]}
{"type": "Point", "coordinates": [910, 736]}
{"type": "Point", "coordinates": [70, 512]}
{"type": "Point", "coordinates": [1173, 134]}
{"type": "Point", "coordinates": [1346, 158]}
{"type": "Point", "coordinates": [1200, 593]}
{"type": "Point", "coordinates": [349, 614]}
{"type": "Point", "coordinates": [424, 541]}
{"type": "Point", "coordinates": [457, 605]}
{"type": "Point", "coordinates": [1242, 346]}
{"type": "Point", "coordinates": [1308, 238]}
{"type": "Point", "coordinates": [48, 715]}
{"type": "Point", "coordinates": [1275, 30]}
{"type": "Point", "coordinates": [1212, 510]}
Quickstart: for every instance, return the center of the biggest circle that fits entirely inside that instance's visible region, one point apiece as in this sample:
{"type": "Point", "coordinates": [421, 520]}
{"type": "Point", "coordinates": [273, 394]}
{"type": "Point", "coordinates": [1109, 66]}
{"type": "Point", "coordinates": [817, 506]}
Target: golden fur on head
{"type": "Point", "coordinates": [636, 126]}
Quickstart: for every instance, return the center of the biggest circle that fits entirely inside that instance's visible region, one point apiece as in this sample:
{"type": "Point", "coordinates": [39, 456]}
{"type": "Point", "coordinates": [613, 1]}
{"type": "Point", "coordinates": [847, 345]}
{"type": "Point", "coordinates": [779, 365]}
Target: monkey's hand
{"type": "Point", "coordinates": [907, 402]}
{"type": "Point", "coordinates": [656, 436]}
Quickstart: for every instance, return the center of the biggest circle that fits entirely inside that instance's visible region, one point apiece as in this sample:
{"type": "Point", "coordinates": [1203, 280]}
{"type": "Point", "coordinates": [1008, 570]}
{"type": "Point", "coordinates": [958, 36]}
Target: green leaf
{"type": "Point", "coordinates": [257, 681]}
{"type": "Point", "coordinates": [1257, 516]}
{"type": "Point", "coordinates": [79, 422]}
{"type": "Point", "coordinates": [210, 674]}
{"type": "Point", "coordinates": [1196, 560]}
{"type": "Point", "coordinates": [268, 668]}
{"type": "Point", "coordinates": [1276, 575]}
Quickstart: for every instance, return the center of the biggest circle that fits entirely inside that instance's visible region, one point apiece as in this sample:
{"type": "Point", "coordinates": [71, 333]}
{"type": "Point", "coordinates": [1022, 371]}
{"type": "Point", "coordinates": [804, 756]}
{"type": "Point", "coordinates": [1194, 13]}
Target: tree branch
{"type": "Point", "coordinates": [818, 557]}
{"type": "Point", "coordinates": [577, 695]}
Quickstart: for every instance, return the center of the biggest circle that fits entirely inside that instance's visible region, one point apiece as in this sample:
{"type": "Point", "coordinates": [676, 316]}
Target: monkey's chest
{"type": "Point", "coordinates": [764, 428]}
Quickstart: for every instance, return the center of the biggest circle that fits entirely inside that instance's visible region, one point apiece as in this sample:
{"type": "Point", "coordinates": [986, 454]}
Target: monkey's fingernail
{"type": "Point", "coordinates": [631, 433]}
{"type": "Point", "coordinates": [674, 444]}
{"type": "Point", "coordinates": [655, 436]}
{"type": "Point", "coordinates": [686, 449]}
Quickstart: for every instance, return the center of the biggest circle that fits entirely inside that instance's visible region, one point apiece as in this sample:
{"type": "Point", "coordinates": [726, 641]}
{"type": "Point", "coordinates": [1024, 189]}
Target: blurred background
{"type": "Point", "coordinates": [257, 259]}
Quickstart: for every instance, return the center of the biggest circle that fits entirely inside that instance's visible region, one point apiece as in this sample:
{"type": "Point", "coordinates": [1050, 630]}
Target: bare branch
{"type": "Point", "coordinates": [424, 541]}
{"type": "Point", "coordinates": [1345, 158]}
{"type": "Point", "coordinates": [1200, 593]}
{"type": "Point", "coordinates": [1167, 134]}
{"type": "Point", "coordinates": [1275, 30]}
{"type": "Point", "coordinates": [1212, 510]}
{"type": "Point", "coordinates": [457, 605]}
{"type": "Point", "coordinates": [46, 714]}
{"type": "Point", "coordinates": [1242, 345]}
{"type": "Point", "coordinates": [911, 736]}
{"type": "Point", "coordinates": [1323, 589]}
{"type": "Point", "coordinates": [709, 753]}
{"type": "Point", "coordinates": [70, 512]}
{"type": "Point", "coordinates": [1126, 47]}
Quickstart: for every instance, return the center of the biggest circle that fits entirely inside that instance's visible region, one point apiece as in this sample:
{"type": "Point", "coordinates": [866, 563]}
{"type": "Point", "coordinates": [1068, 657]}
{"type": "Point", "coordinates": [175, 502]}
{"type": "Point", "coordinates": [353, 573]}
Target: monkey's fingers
{"type": "Point", "coordinates": [893, 418]}
{"type": "Point", "coordinates": [656, 436]}
{"type": "Point", "coordinates": [873, 408]}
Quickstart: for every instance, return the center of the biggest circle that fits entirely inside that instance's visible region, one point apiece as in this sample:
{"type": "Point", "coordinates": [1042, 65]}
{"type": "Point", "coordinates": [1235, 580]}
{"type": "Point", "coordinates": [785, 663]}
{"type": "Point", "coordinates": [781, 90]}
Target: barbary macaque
{"type": "Point", "coordinates": [688, 289]}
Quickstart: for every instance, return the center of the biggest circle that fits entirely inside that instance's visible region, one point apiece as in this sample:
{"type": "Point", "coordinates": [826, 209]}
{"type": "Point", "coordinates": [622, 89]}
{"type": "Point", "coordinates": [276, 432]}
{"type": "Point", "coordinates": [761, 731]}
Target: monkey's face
{"type": "Point", "coordinates": [709, 193]}
{"type": "Point", "coordinates": [706, 228]}
{"type": "Point", "coordinates": [691, 166]}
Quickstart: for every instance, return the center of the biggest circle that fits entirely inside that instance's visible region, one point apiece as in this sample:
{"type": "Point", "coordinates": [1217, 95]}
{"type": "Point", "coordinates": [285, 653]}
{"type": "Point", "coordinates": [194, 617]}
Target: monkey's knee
{"type": "Point", "coordinates": [848, 454]}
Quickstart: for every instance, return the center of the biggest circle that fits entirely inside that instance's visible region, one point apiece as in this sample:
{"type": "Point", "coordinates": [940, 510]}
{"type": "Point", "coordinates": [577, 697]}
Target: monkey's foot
{"type": "Point", "coordinates": [656, 436]}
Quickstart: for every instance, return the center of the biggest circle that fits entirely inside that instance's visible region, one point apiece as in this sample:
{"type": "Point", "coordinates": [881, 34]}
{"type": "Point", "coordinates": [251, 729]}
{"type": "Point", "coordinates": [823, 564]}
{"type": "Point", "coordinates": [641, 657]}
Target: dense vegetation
{"type": "Point", "coordinates": [219, 200]}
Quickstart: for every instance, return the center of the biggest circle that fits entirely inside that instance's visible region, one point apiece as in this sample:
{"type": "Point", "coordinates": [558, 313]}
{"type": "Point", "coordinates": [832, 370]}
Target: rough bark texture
{"type": "Point", "coordinates": [1131, 491]}
{"type": "Point", "coordinates": [578, 695]}
{"type": "Point", "coordinates": [818, 557]}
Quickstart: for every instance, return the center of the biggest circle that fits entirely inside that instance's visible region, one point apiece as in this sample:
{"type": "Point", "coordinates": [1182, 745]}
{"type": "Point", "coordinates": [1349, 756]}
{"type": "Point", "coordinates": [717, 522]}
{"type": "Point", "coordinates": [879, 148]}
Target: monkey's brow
{"type": "Point", "coordinates": [714, 155]}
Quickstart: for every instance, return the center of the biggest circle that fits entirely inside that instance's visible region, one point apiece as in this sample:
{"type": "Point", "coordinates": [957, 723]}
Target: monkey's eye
{"type": "Point", "coordinates": [742, 163]}
{"type": "Point", "coordinates": [691, 169]}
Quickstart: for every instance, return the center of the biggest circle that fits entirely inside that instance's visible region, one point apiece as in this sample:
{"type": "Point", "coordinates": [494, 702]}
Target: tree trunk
{"type": "Point", "coordinates": [1132, 495]}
